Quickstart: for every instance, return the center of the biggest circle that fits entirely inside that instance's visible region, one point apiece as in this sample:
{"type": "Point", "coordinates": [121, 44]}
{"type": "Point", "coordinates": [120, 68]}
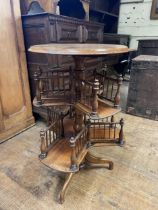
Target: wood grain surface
{"type": "Point", "coordinates": [79, 49]}
{"type": "Point", "coordinates": [15, 103]}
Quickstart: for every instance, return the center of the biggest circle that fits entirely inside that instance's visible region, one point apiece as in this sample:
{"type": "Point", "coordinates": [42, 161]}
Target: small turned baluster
{"type": "Point", "coordinates": [112, 121]}
{"type": "Point", "coordinates": [88, 134]}
{"type": "Point", "coordinates": [73, 166]}
{"type": "Point", "coordinates": [95, 97]}
{"type": "Point", "coordinates": [121, 141]}
{"type": "Point", "coordinates": [37, 85]}
{"type": "Point", "coordinates": [43, 145]}
{"type": "Point", "coordinates": [79, 121]}
{"type": "Point", "coordinates": [62, 125]}
{"type": "Point", "coordinates": [117, 96]}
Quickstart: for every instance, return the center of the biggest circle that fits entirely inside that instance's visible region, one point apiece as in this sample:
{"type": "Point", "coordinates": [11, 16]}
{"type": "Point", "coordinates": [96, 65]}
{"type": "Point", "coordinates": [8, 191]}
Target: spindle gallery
{"type": "Point", "coordinates": [78, 104]}
{"type": "Point", "coordinates": [80, 111]}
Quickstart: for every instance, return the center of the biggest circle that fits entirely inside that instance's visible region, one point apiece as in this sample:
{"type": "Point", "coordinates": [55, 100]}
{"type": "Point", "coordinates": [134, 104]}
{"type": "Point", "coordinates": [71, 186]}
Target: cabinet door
{"type": "Point", "coordinates": [92, 34]}
{"type": "Point", "coordinates": [68, 32]}
{"type": "Point", "coordinates": [15, 104]}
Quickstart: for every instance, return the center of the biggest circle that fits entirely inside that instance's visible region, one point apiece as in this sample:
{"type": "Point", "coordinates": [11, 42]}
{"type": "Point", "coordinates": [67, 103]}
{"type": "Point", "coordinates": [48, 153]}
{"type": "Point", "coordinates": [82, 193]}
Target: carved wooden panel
{"type": "Point", "coordinates": [15, 106]}
{"type": "Point", "coordinates": [68, 32]}
{"type": "Point", "coordinates": [92, 34]}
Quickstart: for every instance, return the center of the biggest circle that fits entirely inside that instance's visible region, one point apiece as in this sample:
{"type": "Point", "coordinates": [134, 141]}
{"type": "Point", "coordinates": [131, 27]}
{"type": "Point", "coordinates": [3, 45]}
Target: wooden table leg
{"type": "Point", "coordinates": [62, 192]}
{"type": "Point", "coordinates": [94, 161]}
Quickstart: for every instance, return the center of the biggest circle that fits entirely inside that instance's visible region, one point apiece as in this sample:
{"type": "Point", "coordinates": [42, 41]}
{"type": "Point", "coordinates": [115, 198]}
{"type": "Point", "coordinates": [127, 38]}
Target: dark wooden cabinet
{"type": "Point", "coordinates": [116, 39]}
{"type": "Point", "coordinates": [49, 28]}
{"type": "Point", "coordinates": [107, 12]}
{"type": "Point", "coordinates": [148, 47]}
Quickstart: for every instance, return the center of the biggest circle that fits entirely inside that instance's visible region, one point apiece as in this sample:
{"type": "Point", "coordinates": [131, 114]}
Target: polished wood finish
{"type": "Point", "coordinates": [15, 104]}
{"type": "Point", "coordinates": [68, 155]}
{"type": "Point", "coordinates": [107, 133]}
{"type": "Point", "coordinates": [94, 161]}
{"type": "Point", "coordinates": [49, 28]}
{"type": "Point", "coordinates": [53, 88]}
{"type": "Point", "coordinates": [65, 143]}
{"type": "Point", "coordinates": [79, 49]}
{"type": "Point", "coordinates": [103, 110]}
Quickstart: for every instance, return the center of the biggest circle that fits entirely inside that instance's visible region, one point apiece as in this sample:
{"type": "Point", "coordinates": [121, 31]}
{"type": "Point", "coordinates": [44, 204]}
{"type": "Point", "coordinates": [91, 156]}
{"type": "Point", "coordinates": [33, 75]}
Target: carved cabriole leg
{"type": "Point", "coordinates": [121, 141]}
{"type": "Point", "coordinates": [94, 161]}
{"type": "Point", "coordinates": [43, 146]}
{"type": "Point", "coordinates": [117, 97]}
{"type": "Point", "coordinates": [62, 192]}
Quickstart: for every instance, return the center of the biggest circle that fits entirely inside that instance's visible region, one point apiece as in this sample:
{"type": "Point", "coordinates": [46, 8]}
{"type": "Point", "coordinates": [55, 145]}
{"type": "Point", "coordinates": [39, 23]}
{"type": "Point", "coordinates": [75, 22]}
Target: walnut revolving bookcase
{"type": "Point", "coordinates": [81, 107]}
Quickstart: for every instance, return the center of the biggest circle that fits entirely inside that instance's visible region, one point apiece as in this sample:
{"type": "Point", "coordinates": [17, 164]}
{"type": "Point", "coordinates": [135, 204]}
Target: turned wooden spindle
{"type": "Point", "coordinates": [43, 145]}
{"type": "Point", "coordinates": [117, 96]}
{"type": "Point", "coordinates": [37, 85]}
{"type": "Point", "coordinates": [79, 121]}
{"type": "Point", "coordinates": [88, 134]}
{"type": "Point", "coordinates": [73, 166]}
{"type": "Point", "coordinates": [112, 121]}
{"type": "Point", "coordinates": [95, 96]}
{"type": "Point", "coordinates": [121, 141]}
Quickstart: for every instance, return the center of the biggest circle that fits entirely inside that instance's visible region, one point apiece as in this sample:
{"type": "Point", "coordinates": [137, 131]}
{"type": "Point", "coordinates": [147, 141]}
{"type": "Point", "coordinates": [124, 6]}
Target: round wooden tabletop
{"type": "Point", "coordinates": [79, 49]}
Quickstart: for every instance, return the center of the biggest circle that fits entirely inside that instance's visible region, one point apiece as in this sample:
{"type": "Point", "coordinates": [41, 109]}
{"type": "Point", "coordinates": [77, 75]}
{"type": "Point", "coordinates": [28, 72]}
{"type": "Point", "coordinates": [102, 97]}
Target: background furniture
{"type": "Point", "coordinates": [107, 12]}
{"type": "Point", "coordinates": [142, 96]}
{"type": "Point", "coordinates": [110, 38]}
{"type": "Point", "coordinates": [15, 103]}
{"type": "Point", "coordinates": [47, 5]}
{"type": "Point", "coordinates": [148, 47]}
{"type": "Point", "coordinates": [51, 6]}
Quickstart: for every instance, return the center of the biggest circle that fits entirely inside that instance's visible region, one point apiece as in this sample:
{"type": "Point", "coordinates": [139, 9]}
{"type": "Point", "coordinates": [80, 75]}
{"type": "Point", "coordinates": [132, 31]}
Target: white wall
{"type": "Point", "coordinates": [135, 20]}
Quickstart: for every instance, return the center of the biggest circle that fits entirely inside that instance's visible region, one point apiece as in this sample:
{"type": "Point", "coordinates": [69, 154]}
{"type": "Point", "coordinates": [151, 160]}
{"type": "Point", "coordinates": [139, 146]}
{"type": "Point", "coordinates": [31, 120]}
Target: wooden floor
{"type": "Point", "coordinates": [26, 184]}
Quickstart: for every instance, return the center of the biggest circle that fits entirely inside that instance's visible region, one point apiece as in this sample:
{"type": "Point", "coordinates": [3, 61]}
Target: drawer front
{"type": "Point", "coordinates": [68, 32]}
{"type": "Point", "coordinates": [92, 34]}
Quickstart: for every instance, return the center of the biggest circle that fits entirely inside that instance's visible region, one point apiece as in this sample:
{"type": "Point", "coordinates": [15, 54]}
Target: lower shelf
{"type": "Point", "coordinates": [59, 157]}
{"type": "Point", "coordinates": [104, 110]}
{"type": "Point", "coordinates": [104, 136]}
